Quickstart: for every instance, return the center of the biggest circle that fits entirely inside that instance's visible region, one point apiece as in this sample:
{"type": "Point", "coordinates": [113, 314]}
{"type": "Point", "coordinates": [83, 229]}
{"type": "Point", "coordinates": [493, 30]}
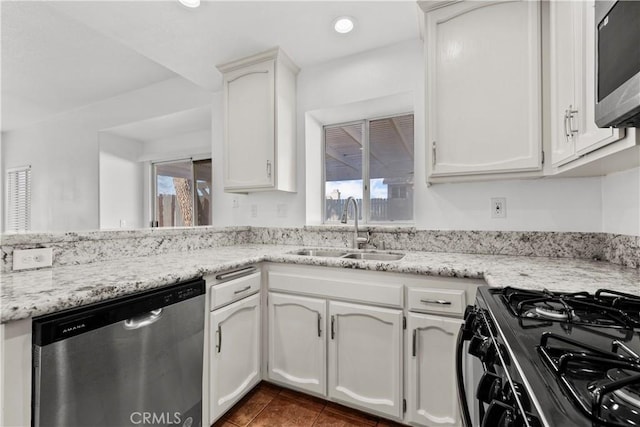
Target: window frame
{"type": "Point", "coordinates": [366, 190]}
{"type": "Point", "coordinates": [10, 204]}
{"type": "Point", "coordinates": [154, 189]}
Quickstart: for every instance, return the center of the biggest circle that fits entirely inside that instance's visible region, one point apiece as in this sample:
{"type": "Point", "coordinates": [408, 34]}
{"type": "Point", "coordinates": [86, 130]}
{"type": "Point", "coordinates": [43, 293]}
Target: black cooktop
{"type": "Point", "coordinates": [578, 354]}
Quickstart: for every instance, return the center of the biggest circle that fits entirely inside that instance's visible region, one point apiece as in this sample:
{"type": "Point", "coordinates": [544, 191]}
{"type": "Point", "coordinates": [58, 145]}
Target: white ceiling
{"type": "Point", "coordinates": [61, 55]}
{"type": "Point", "coordinates": [52, 64]}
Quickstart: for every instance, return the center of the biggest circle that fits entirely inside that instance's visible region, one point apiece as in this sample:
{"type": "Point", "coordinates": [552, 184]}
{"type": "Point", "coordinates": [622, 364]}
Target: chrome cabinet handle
{"type": "Point", "coordinates": [435, 301]}
{"type": "Point", "coordinates": [319, 327]}
{"type": "Point", "coordinates": [219, 346]}
{"type": "Point", "coordinates": [239, 291]}
{"type": "Point", "coordinates": [433, 153]}
{"type": "Point", "coordinates": [269, 168]}
{"type": "Point", "coordinates": [142, 321]}
{"type": "Point", "coordinates": [572, 113]}
{"type": "Point", "coordinates": [333, 331]}
{"type": "Point", "coordinates": [414, 344]}
{"type": "Point", "coordinates": [236, 273]}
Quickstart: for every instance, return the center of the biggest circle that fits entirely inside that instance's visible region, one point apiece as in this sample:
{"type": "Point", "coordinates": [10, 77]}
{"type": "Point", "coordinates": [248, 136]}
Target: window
{"type": "Point", "coordinates": [372, 161]}
{"type": "Point", "coordinates": [177, 201]}
{"type": "Point", "coordinates": [18, 199]}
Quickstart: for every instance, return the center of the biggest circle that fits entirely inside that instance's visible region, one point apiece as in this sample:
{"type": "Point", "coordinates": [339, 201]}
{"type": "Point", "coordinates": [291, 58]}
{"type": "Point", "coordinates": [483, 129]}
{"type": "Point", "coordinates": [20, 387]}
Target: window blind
{"type": "Point", "coordinates": [18, 204]}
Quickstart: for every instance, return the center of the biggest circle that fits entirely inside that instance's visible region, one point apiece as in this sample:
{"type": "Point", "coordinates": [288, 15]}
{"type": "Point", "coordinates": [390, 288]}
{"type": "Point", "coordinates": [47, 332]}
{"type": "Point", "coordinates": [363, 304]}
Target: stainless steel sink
{"type": "Point", "coordinates": [375, 256]}
{"type": "Point", "coordinates": [321, 253]}
{"type": "Point", "coordinates": [328, 253]}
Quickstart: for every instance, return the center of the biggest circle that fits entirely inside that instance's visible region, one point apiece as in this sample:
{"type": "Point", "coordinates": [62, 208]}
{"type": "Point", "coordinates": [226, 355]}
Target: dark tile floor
{"type": "Point", "coordinates": [268, 405]}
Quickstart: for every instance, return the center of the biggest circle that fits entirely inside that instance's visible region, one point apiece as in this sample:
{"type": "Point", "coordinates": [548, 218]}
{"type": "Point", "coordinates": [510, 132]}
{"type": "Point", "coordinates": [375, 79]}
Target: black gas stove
{"type": "Point", "coordinates": [556, 359]}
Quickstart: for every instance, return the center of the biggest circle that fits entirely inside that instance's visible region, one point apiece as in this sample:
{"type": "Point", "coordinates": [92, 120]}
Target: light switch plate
{"type": "Point", "coordinates": [24, 259]}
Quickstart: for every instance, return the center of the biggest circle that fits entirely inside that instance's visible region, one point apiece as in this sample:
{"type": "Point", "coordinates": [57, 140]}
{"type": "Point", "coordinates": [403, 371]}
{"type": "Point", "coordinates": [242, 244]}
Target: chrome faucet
{"type": "Point", "coordinates": [357, 241]}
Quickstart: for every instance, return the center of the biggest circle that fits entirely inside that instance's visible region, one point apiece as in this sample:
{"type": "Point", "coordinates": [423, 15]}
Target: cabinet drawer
{"type": "Point", "coordinates": [445, 301]}
{"type": "Point", "coordinates": [224, 293]}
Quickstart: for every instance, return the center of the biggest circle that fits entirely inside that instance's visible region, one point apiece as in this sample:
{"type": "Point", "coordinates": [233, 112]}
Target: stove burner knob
{"type": "Point", "coordinates": [489, 387]}
{"type": "Point", "coordinates": [499, 415]}
{"type": "Point", "coordinates": [469, 326]}
{"type": "Point", "coordinates": [477, 346]}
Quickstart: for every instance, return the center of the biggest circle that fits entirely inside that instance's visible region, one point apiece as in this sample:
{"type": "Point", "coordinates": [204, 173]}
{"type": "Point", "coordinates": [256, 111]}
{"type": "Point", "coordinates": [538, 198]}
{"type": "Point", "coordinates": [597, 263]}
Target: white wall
{"type": "Point", "coordinates": [121, 182]}
{"type": "Point", "coordinates": [196, 143]}
{"type": "Point", "coordinates": [621, 202]}
{"type": "Point", "coordinates": [389, 73]}
{"type": "Point", "coordinates": [63, 151]}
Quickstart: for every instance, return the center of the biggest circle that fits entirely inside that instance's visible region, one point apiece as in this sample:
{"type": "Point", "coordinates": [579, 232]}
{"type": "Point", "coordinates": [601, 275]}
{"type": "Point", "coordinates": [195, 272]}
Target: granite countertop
{"type": "Point", "coordinates": [34, 293]}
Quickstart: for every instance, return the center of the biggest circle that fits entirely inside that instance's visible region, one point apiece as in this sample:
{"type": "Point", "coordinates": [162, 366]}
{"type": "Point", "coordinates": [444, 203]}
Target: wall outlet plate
{"type": "Point", "coordinates": [254, 211]}
{"type": "Point", "coordinates": [24, 259]}
{"type": "Point", "coordinates": [498, 207]}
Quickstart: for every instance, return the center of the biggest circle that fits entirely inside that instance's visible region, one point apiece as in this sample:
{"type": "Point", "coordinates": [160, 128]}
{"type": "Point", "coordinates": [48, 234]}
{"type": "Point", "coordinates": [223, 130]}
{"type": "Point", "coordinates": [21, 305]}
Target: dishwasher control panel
{"type": "Point", "coordinates": [65, 324]}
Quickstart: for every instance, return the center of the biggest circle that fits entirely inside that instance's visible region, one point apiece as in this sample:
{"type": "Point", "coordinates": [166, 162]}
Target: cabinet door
{"type": "Point", "coordinates": [297, 343]}
{"type": "Point", "coordinates": [562, 59]}
{"type": "Point", "coordinates": [249, 127]}
{"type": "Point", "coordinates": [235, 353]}
{"type": "Point", "coordinates": [431, 355]}
{"type": "Point", "coordinates": [365, 357]}
{"type": "Point", "coordinates": [589, 136]}
{"type": "Point", "coordinates": [483, 87]}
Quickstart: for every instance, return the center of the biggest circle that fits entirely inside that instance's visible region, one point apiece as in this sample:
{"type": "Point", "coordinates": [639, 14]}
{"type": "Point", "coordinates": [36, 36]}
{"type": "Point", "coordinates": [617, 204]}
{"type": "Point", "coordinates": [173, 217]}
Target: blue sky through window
{"type": "Point", "coordinates": [165, 185]}
{"type": "Point", "coordinates": [353, 188]}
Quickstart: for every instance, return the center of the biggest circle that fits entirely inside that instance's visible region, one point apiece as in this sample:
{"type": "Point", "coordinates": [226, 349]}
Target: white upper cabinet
{"type": "Point", "coordinates": [260, 118]}
{"type": "Point", "coordinates": [483, 88]}
{"type": "Point", "coordinates": [572, 61]}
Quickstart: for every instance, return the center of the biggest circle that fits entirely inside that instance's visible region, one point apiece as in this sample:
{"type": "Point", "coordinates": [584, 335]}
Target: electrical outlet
{"type": "Point", "coordinates": [24, 259]}
{"type": "Point", "coordinates": [236, 204]}
{"type": "Point", "coordinates": [282, 210]}
{"type": "Point", "coordinates": [254, 211]}
{"type": "Point", "coordinates": [498, 207]}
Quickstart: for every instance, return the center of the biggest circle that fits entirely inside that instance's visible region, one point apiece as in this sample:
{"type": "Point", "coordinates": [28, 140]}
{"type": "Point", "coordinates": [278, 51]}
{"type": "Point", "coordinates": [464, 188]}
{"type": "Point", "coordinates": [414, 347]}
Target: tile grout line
{"type": "Point", "coordinates": [265, 407]}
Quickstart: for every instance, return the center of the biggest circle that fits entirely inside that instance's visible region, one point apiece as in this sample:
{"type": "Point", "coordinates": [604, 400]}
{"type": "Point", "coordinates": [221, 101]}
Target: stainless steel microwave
{"type": "Point", "coordinates": [617, 63]}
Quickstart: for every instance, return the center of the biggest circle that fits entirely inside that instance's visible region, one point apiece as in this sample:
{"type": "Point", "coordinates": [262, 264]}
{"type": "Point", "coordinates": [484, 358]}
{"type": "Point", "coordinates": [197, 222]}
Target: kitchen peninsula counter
{"type": "Point", "coordinates": [38, 292]}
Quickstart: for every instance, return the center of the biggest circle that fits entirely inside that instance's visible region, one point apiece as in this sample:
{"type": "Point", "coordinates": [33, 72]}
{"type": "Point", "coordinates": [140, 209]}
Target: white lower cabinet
{"type": "Point", "coordinates": [297, 343]}
{"type": "Point", "coordinates": [431, 362]}
{"type": "Point", "coordinates": [365, 357]}
{"type": "Point", "coordinates": [234, 353]}
{"type": "Point", "coordinates": [341, 334]}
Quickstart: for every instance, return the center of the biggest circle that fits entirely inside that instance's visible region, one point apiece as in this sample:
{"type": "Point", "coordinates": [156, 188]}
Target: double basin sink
{"type": "Point", "coordinates": [372, 256]}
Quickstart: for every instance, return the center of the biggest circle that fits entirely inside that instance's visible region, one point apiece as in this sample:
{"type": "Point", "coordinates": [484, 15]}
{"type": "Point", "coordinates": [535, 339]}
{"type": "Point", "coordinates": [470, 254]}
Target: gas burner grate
{"type": "Point", "coordinates": [605, 385]}
{"type": "Point", "coordinates": [604, 308]}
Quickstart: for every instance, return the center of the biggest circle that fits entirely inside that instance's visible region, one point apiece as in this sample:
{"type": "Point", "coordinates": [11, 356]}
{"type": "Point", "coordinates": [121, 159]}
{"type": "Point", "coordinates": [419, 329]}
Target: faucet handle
{"type": "Point", "coordinates": [363, 240]}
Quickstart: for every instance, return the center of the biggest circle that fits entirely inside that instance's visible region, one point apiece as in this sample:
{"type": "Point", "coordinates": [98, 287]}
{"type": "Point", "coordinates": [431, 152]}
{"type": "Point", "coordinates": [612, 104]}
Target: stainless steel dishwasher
{"type": "Point", "coordinates": [136, 360]}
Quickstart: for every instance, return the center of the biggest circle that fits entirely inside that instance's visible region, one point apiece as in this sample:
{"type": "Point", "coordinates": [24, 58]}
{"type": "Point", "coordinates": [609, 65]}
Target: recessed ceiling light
{"type": "Point", "coordinates": [343, 24]}
{"type": "Point", "coordinates": [190, 3]}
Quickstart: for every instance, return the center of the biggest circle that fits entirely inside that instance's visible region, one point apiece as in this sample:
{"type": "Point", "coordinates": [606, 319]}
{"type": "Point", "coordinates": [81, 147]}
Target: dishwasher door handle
{"type": "Point", "coordinates": [147, 319]}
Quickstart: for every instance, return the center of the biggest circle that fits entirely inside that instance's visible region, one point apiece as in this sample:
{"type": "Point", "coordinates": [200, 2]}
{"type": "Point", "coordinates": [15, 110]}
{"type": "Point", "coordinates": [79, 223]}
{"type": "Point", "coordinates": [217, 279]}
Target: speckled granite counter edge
{"type": "Point", "coordinates": [76, 248]}
{"type": "Point", "coordinates": [39, 292]}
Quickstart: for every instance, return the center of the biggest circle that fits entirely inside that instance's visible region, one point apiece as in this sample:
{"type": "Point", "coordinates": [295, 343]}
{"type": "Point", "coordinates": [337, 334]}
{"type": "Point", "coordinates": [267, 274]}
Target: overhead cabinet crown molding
{"type": "Point", "coordinates": [260, 123]}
